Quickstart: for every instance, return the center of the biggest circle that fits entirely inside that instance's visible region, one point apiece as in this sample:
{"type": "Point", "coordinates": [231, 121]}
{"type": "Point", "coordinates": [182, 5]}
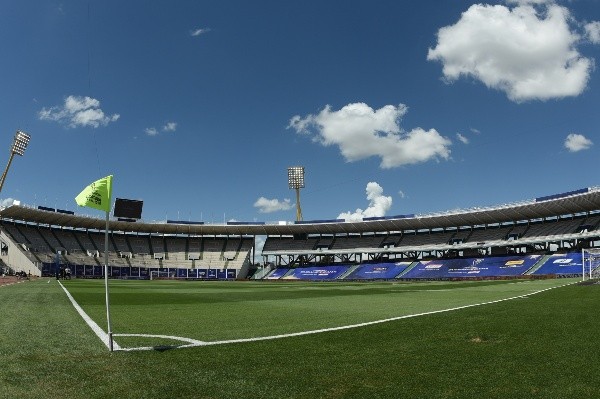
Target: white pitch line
{"type": "Point", "coordinates": [95, 327]}
{"type": "Point", "coordinates": [323, 330]}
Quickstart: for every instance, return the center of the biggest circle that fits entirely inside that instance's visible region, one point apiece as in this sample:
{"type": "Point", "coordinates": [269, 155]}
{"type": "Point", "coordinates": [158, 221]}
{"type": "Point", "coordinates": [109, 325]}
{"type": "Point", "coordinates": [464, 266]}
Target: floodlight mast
{"type": "Point", "coordinates": [19, 146]}
{"type": "Point", "coordinates": [296, 182]}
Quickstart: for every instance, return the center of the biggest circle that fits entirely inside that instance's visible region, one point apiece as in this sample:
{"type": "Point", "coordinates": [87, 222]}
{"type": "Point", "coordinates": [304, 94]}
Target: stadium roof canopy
{"type": "Point", "coordinates": [576, 202]}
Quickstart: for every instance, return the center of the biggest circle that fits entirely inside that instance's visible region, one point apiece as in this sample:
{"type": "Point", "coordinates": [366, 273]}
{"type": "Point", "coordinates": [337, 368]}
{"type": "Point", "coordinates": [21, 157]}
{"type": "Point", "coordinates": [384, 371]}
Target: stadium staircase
{"type": "Point", "coordinates": [347, 273]}
{"type": "Point", "coordinates": [166, 247]}
{"type": "Point", "coordinates": [31, 252]}
{"type": "Point", "coordinates": [114, 244]}
{"type": "Point", "coordinates": [239, 249]}
{"type": "Point", "coordinates": [17, 228]}
{"type": "Point", "coordinates": [128, 261]}
{"type": "Point", "coordinates": [408, 269]}
{"type": "Point", "coordinates": [150, 247]}
{"type": "Point", "coordinates": [537, 264]}
{"type": "Point", "coordinates": [222, 254]}
{"type": "Point", "coordinates": [53, 233]}
{"type": "Point", "coordinates": [262, 273]}
{"type": "Point", "coordinates": [187, 251]}
{"type": "Point", "coordinates": [96, 260]}
{"type": "Point", "coordinates": [83, 250]}
{"type": "Point", "coordinates": [45, 240]}
{"type": "Point", "coordinates": [289, 272]}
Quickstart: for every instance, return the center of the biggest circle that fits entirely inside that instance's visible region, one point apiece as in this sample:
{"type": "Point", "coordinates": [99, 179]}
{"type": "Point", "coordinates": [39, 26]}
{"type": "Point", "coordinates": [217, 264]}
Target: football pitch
{"type": "Point", "coordinates": [493, 339]}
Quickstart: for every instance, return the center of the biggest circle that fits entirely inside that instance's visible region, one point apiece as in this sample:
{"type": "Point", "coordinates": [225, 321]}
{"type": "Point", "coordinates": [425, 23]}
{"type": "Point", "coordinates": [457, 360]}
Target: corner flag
{"type": "Point", "coordinates": [96, 195]}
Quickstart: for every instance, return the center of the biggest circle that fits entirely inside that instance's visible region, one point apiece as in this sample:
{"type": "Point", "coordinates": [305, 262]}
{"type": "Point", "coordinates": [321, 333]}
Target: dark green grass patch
{"type": "Point", "coordinates": [526, 348]}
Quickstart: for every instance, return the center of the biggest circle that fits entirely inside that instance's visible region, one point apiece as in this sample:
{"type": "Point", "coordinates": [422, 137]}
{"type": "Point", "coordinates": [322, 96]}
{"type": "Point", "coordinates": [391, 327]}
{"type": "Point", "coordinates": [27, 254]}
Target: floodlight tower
{"type": "Point", "coordinates": [19, 145]}
{"type": "Point", "coordinates": [296, 181]}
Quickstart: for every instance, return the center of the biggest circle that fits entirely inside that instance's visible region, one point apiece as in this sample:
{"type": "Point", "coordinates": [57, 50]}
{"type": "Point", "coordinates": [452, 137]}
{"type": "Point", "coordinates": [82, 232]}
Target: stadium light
{"type": "Point", "coordinates": [296, 182]}
{"type": "Point", "coordinates": [19, 146]}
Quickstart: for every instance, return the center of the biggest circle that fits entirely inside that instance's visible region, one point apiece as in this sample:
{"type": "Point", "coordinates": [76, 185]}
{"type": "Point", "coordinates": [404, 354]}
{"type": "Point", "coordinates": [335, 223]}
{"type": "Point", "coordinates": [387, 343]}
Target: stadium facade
{"type": "Point", "coordinates": [38, 240]}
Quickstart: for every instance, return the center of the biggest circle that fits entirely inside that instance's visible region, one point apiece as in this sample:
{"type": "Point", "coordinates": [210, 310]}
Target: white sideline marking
{"type": "Point", "coordinates": [95, 327]}
{"type": "Point", "coordinates": [297, 334]}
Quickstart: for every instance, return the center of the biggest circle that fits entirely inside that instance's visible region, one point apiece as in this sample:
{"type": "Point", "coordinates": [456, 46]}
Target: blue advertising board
{"type": "Point", "coordinates": [569, 263]}
{"type": "Point", "coordinates": [473, 267]}
{"type": "Point", "coordinates": [317, 273]}
{"type": "Point", "coordinates": [378, 271]}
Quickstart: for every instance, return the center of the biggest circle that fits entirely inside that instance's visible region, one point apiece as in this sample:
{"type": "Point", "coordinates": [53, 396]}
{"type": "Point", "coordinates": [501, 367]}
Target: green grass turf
{"type": "Point", "coordinates": [536, 347]}
{"type": "Point", "coordinates": [219, 311]}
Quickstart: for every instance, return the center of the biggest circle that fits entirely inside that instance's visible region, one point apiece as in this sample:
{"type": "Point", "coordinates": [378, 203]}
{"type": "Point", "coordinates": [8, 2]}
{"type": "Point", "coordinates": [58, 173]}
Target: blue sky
{"type": "Point", "coordinates": [393, 107]}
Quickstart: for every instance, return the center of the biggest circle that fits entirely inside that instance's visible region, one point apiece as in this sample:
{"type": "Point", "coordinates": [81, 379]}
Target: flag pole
{"type": "Point", "coordinates": [109, 329]}
{"type": "Point", "coordinates": [97, 195]}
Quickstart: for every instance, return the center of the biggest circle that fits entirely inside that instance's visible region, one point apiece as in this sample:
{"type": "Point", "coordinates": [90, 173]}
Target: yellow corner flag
{"type": "Point", "coordinates": [96, 195]}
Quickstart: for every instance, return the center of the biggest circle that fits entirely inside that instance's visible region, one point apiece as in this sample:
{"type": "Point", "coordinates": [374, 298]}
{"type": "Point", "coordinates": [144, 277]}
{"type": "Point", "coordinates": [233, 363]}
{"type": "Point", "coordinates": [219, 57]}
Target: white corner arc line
{"type": "Point", "coordinates": [184, 339]}
{"type": "Point", "coordinates": [95, 327]}
{"type": "Point", "coordinates": [323, 330]}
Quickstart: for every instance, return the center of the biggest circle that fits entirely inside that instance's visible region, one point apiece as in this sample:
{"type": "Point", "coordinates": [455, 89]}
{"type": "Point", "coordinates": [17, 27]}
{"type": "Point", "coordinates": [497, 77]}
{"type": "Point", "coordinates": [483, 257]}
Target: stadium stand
{"type": "Point", "coordinates": [427, 238]}
{"type": "Point", "coordinates": [391, 240]}
{"type": "Point", "coordinates": [83, 251]}
{"type": "Point", "coordinates": [121, 246]}
{"type": "Point", "coordinates": [212, 254]}
{"type": "Point", "coordinates": [157, 247]}
{"type": "Point", "coordinates": [366, 241]}
{"type": "Point", "coordinates": [176, 249]}
{"type": "Point", "coordinates": [553, 228]}
{"type": "Point", "coordinates": [195, 248]}
{"type": "Point", "coordinates": [461, 242]}
{"type": "Point", "coordinates": [493, 233]}
{"type": "Point", "coordinates": [591, 222]}
{"type": "Point", "coordinates": [287, 244]}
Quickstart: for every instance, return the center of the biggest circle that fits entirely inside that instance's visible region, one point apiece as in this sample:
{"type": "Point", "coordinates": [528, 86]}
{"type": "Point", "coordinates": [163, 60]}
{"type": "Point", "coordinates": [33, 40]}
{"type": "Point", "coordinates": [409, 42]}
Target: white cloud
{"type": "Point", "coordinates": [378, 204]}
{"type": "Point", "coordinates": [170, 127]}
{"type": "Point", "coordinates": [577, 142]}
{"type": "Point", "coordinates": [476, 131]}
{"type": "Point", "coordinates": [524, 2]}
{"type": "Point", "coordinates": [462, 138]}
{"type": "Point", "coordinates": [78, 111]}
{"type": "Point", "coordinates": [266, 205]}
{"type": "Point", "coordinates": [529, 51]}
{"type": "Point", "coordinates": [8, 202]}
{"type": "Point", "coordinates": [151, 131]}
{"type": "Point", "coordinates": [199, 31]}
{"type": "Point", "coordinates": [592, 31]}
{"type": "Point", "coordinates": [361, 132]}
{"type": "Point", "coordinates": [401, 194]}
